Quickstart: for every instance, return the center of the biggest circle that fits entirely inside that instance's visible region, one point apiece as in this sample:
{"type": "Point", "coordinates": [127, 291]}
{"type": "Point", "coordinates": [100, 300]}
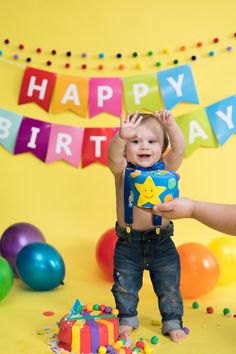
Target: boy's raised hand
{"type": "Point", "coordinates": [165, 116]}
{"type": "Point", "coordinates": [128, 125]}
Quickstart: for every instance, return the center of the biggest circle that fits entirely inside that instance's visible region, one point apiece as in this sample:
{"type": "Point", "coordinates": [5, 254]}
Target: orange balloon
{"type": "Point", "coordinates": [200, 270]}
{"type": "Point", "coordinates": [105, 252]}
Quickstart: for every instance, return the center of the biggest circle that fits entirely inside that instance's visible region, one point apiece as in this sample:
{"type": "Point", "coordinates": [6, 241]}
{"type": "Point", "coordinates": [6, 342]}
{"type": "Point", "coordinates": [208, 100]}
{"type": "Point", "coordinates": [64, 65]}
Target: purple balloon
{"type": "Point", "coordinates": [15, 238]}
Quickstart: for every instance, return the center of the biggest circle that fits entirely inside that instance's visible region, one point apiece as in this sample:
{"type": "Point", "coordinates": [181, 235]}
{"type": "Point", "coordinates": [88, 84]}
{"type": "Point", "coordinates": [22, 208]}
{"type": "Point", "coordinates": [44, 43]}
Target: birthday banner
{"type": "Point", "coordinates": [80, 147]}
{"type": "Point", "coordinates": [92, 96]}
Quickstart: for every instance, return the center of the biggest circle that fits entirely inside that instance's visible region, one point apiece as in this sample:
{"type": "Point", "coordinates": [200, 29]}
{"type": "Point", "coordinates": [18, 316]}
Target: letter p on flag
{"type": "Point", "coordinates": [37, 86]}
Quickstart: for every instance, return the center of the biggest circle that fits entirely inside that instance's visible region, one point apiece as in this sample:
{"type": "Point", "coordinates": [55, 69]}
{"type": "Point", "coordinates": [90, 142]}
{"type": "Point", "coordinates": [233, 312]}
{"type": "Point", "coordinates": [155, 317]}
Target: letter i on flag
{"type": "Point", "coordinates": [177, 85]}
{"type": "Point", "coordinates": [37, 86]}
{"type": "Point", "coordinates": [33, 137]}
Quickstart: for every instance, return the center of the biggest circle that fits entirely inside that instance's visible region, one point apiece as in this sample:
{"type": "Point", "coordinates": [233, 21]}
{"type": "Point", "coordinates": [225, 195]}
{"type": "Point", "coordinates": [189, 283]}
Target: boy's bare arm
{"type": "Point", "coordinates": [174, 157]}
{"type": "Point", "coordinates": [117, 162]}
{"type": "Point", "coordinates": [177, 142]}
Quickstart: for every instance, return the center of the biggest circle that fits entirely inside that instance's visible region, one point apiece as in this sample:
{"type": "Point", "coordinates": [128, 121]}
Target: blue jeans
{"type": "Point", "coordinates": [156, 253]}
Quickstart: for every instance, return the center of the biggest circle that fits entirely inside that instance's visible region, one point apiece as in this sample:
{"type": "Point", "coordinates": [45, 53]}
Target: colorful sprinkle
{"type": "Point", "coordinates": [154, 340]}
{"type": "Point", "coordinates": [216, 40]}
{"type": "Point", "coordinates": [158, 63]}
{"type": "Point", "coordinates": [135, 54]}
{"type": "Point", "coordinates": [166, 50]}
{"type": "Point", "coordinates": [48, 313]}
{"type": "Point", "coordinates": [101, 55]}
{"type": "Point", "coordinates": [38, 50]}
{"type": "Point", "coordinates": [195, 305]}
{"type": "Point", "coordinates": [68, 54]}
{"type": "Point", "coordinates": [119, 55]}
{"type": "Point", "coordinates": [49, 63]}
{"type": "Point", "coordinates": [186, 330]}
{"type": "Point", "coordinates": [21, 46]}
{"type": "Point", "coordinates": [211, 53]}
{"type": "Point", "coordinates": [226, 311]}
{"type": "Point", "coordinates": [175, 61]}
{"type": "Point", "coordinates": [199, 44]}
{"type": "Point", "coordinates": [150, 53]}
{"type": "Point", "coordinates": [84, 55]}
{"type": "Point", "coordinates": [83, 66]}
{"type": "Point", "coordinates": [7, 41]}
{"type": "Point", "coordinates": [209, 309]}
{"type": "Point", "coordinates": [194, 57]}
{"type": "Point", "coordinates": [229, 48]}
{"type": "Point", "coordinates": [54, 52]}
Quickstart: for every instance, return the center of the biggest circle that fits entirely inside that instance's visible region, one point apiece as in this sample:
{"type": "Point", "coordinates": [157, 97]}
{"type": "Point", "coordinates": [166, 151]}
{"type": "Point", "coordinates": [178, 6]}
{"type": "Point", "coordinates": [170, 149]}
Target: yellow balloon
{"type": "Point", "coordinates": [224, 248]}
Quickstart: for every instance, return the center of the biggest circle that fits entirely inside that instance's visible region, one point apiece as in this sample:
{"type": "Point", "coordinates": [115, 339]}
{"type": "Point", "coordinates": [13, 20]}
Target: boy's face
{"type": "Point", "coordinates": [147, 148]}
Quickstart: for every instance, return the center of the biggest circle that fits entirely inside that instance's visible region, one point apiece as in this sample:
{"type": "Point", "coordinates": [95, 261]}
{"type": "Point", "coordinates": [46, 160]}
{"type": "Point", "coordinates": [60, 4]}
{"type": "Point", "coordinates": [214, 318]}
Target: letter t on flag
{"type": "Point", "coordinates": [95, 145]}
{"type": "Point", "coordinates": [37, 86]}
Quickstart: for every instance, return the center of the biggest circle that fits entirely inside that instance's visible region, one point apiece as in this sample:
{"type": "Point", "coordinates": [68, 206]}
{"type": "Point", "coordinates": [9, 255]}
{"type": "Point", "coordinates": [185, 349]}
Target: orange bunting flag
{"type": "Point", "coordinates": [71, 93]}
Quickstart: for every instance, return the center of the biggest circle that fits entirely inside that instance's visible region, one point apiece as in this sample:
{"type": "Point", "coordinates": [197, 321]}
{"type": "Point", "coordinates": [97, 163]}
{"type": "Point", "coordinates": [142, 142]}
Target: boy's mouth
{"type": "Point", "coordinates": [144, 155]}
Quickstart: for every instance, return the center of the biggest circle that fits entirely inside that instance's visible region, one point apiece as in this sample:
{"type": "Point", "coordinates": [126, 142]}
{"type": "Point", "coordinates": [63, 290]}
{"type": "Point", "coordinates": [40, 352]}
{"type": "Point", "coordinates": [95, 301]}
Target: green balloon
{"type": "Point", "coordinates": [6, 277]}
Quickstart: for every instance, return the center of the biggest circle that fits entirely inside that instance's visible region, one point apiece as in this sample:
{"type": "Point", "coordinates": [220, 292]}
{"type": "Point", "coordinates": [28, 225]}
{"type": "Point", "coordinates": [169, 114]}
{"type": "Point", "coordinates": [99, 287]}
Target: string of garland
{"type": "Point", "coordinates": [21, 54]}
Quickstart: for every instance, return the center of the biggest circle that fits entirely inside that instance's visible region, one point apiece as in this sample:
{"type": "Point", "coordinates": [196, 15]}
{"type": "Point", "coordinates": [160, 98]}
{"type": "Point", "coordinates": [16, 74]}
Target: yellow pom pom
{"type": "Point", "coordinates": [147, 349]}
{"type": "Point", "coordinates": [89, 307]}
{"type": "Point", "coordinates": [115, 312]}
{"type": "Point", "coordinates": [102, 350]}
{"type": "Point", "coordinates": [166, 51]}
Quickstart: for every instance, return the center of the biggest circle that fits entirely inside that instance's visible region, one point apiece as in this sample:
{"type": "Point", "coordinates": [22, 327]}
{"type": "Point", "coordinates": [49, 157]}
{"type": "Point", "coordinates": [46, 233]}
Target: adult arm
{"type": "Point", "coordinates": [221, 217]}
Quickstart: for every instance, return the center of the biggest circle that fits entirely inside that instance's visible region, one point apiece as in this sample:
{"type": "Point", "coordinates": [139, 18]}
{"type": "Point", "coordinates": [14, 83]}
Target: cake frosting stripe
{"type": "Point", "coordinates": [95, 339]}
{"type": "Point", "coordinates": [76, 329]}
{"type": "Point", "coordinates": [109, 327]}
{"type": "Point", "coordinates": [85, 342]}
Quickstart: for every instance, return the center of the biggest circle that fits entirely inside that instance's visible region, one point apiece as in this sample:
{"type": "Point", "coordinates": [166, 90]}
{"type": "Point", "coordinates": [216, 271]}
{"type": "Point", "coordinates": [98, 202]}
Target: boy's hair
{"type": "Point", "coordinates": [166, 138]}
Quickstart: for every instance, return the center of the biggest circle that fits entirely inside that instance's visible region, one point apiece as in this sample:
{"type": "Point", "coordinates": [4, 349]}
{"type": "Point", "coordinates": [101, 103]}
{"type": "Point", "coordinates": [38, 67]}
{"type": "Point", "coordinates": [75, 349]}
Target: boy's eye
{"type": "Point", "coordinates": [135, 141]}
{"type": "Point", "coordinates": [152, 141]}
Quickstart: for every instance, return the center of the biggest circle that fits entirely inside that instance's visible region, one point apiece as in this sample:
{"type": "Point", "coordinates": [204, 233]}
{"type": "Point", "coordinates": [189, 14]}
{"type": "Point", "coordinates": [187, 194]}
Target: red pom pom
{"type": "Point", "coordinates": [199, 44]}
{"type": "Point", "coordinates": [38, 50]}
{"type": "Point", "coordinates": [67, 65]}
{"type": "Point", "coordinates": [21, 46]}
{"type": "Point", "coordinates": [216, 40]}
{"type": "Point", "coordinates": [83, 66]}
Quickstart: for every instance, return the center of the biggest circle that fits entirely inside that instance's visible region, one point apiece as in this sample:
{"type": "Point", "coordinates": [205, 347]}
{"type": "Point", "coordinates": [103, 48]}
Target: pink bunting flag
{"type": "Point", "coordinates": [105, 95]}
{"type": "Point", "coordinates": [65, 144]}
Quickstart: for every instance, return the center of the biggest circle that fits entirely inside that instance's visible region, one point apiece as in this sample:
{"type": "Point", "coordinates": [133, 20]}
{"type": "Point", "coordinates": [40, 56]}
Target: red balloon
{"type": "Point", "coordinates": [105, 252]}
{"type": "Point", "coordinates": [199, 270]}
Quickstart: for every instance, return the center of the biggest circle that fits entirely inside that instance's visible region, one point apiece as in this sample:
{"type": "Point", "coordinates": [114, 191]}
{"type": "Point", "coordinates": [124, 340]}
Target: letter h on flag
{"type": "Point", "coordinates": [37, 86]}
